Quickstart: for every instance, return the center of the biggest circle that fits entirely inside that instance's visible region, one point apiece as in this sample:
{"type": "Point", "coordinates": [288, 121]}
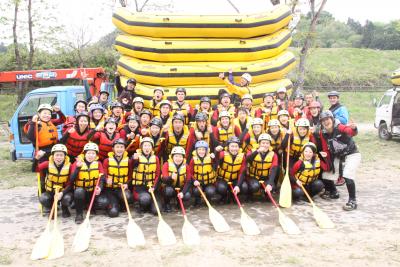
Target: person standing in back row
{"type": "Point", "coordinates": [129, 88]}
{"type": "Point", "coordinates": [339, 111]}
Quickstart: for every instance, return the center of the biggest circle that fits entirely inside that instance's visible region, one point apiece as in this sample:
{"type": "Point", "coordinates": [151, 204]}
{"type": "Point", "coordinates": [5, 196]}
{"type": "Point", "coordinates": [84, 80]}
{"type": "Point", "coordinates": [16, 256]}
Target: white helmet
{"type": "Point", "coordinates": [257, 121]}
{"type": "Point", "coordinates": [147, 139]}
{"type": "Point", "coordinates": [59, 148]}
{"type": "Point", "coordinates": [283, 112]}
{"type": "Point", "coordinates": [138, 99]}
{"type": "Point", "coordinates": [274, 122]}
{"type": "Point", "coordinates": [45, 106]}
{"type": "Point", "coordinates": [281, 90]}
{"type": "Point", "coordinates": [247, 96]}
{"type": "Point", "coordinates": [302, 122]}
{"type": "Point", "coordinates": [264, 136]}
{"type": "Point", "coordinates": [91, 146]}
{"type": "Point", "coordinates": [159, 89]}
{"type": "Point", "coordinates": [165, 102]}
{"type": "Point", "coordinates": [247, 77]}
{"type": "Point", "coordinates": [178, 150]}
{"type": "Point", "coordinates": [224, 113]}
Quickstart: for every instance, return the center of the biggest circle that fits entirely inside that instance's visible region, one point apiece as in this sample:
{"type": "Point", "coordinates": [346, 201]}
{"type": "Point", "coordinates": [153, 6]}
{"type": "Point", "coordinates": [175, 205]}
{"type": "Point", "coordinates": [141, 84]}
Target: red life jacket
{"type": "Point", "coordinates": [106, 144]}
{"type": "Point", "coordinates": [76, 142]}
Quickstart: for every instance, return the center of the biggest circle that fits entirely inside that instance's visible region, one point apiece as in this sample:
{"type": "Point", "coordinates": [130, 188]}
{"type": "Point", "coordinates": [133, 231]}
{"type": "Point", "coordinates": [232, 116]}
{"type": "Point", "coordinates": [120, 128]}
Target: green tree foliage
{"type": "Point", "coordinates": [333, 34]}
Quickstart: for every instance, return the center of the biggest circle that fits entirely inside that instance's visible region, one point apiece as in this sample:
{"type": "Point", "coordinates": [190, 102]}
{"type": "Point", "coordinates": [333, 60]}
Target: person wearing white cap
{"type": "Point", "coordinates": [247, 103]}
{"type": "Point", "coordinates": [238, 90]}
{"type": "Point", "coordinates": [282, 98]}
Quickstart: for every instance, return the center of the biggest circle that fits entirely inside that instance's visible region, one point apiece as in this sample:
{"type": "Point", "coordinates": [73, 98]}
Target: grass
{"type": "Point", "coordinates": [8, 105]}
{"type": "Point", "coordinates": [360, 105]}
{"type": "Point", "coordinates": [14, 174]}
{"type": "Point", "coordinates": [350, 66]}
{"type": "Point", "coordinates": [372, 148]}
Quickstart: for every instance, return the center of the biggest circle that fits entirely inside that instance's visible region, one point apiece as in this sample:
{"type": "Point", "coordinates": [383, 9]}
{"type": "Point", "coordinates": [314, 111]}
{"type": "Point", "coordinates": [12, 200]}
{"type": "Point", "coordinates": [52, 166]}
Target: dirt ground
{"type": "Point", "coordinates": [369, 236]}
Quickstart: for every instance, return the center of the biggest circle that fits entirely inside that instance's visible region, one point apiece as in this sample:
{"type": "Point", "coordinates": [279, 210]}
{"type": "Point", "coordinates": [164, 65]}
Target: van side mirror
{"type": "Point", "coordinates": [374, 102]}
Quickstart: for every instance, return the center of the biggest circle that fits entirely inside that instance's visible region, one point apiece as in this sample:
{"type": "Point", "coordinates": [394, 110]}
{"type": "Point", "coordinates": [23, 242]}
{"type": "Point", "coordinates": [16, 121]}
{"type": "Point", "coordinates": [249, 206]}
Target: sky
{"type": "Point", "coordinates": [95, 15]}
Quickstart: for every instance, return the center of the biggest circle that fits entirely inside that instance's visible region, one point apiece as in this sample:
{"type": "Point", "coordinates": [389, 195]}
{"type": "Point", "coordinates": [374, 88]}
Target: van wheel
{"type": "Point", "coordinates": [383, 132]}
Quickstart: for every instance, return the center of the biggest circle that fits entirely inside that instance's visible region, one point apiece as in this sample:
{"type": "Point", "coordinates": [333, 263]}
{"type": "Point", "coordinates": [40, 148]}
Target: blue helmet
{"type": "Point", "coordinates": [201, 143]}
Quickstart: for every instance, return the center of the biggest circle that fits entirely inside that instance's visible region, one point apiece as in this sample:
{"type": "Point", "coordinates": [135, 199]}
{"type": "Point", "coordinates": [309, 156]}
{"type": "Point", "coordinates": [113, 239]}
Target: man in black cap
{"type": "Point", "coordinates": [130, 86]}
{"type": "Point", "coordinates": [339, 111]}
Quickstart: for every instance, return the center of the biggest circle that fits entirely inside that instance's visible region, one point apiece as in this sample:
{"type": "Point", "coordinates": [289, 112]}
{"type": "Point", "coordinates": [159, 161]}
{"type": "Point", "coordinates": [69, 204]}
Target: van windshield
{"type": "Point", "coordinates": [30, 107]}
{"type": "Point", "coordinates": [385, 101]}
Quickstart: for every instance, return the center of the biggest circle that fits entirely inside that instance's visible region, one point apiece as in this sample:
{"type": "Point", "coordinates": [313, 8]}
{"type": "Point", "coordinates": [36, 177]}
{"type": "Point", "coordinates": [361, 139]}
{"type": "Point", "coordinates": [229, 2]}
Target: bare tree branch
{"type": "Point", "coordinates": [124, 3]}
{"type": "Point", "coordinates": [31, 44]}
{"type": "Point", "coordinates": [16, 45]}
{"type": "Point", "coordinates": [308, 41]}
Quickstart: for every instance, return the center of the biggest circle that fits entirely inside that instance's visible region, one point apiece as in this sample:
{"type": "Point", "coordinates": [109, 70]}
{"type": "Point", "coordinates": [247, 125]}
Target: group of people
{"type": "Point", "coordinates": [173, 148]}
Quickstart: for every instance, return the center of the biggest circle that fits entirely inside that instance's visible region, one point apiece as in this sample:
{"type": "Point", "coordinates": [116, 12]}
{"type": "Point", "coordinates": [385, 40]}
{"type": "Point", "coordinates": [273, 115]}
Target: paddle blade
{"type": "Point", "coordinates": [134, 235]}
{"type": "Point", "coordinates": [57, 244]}
{"type": "Point", "coordinates": [322, 219]}
{"type": "Point", "coordinates": [42, 246]}
{"type": "Point", "coordinates": [165, 234]}
{"type": "Point", "coordinates": [249, 226]}
{"type": "Point", "coordinates": [219, 223]}
{"type": "Point", "coordinates": [82, 237]}
{"type": "Point", "coordinates": [190, 234]}
{"type": "Point", "coordinates": [287, 224]}
{"type": "Point", "coordinates": [285, 196]}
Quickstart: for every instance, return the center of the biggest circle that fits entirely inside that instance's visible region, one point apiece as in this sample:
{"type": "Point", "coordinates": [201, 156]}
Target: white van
{"type": "Point", "coordinates": [387, 116]}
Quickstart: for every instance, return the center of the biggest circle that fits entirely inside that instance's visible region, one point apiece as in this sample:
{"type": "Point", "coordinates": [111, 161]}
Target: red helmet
{"type": "Point", "coordinates": [315, 104]}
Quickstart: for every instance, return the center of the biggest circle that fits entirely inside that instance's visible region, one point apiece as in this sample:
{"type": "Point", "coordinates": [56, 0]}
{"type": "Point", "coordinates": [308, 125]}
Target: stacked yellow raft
{"type": "Point", "coordinates": [190, 51]}
{"type": "Point", "coordinates": [395, 77]}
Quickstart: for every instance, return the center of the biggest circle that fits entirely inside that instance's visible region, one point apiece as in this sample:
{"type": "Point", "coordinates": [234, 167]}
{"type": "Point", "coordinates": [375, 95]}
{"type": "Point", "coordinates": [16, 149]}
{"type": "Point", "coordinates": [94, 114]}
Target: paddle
{"type": "Point", "coordinates": [82, 237]}
{"type": "Point", "coordinates": [130, 144]}
{"type": "Point", "coordinates": [189, 232]}
{"type": "Point", "coordinates": [249, 226]}
{"type": "Point", "coordinates": [216, 218]}
{"type": "Point", "coordinates": [42, 246]}
{"type": "Point", "coordinates": [134, 234]}
{"type": "Point", "coordinates": [57, 240]}
{"type": "Point", "coordinates": [286, 223]}
{"type": "Point", "coordinates": [164, 232]}
{"type": "Point", "coordinates": [39, 184]}
{"type": "Point", "coordinates": [321, 218]}
{"type": "Point", "coordinates": [285, 195]}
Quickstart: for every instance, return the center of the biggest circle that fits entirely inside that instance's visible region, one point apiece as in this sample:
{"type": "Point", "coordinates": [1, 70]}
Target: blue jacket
{"type": "Point", "coordinates": [340, 112]}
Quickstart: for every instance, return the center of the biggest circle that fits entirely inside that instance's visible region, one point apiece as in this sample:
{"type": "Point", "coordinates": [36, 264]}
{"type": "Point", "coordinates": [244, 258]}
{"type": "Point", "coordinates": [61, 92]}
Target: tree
{"type": "Point", "coordinates": [30, 27]}
{"type": "Point", "coordinates": [316, 9]}
{"type": "Point", "coordinates": [15, 37]}
{"type": "Point", "coordinates": [79, 40]}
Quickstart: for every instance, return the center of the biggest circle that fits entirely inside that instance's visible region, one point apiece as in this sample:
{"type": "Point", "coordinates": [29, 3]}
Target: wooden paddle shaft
{"type": "Point", "coordinates": [236, 197]}
{"type": "Point", "coordinates": [204, 196]}
{"type": "Point", "coordinates": [130, 144]}
{"type": "Point", "coordinates": [52, 210]}
{"type": "Point", "coordinates": [55, 208]}
{"type": "Point", "coordinates": [156, 204]}
{"type": "Point", "coordinates": [288, 155]}
{"type": "Point", "coordinates": [126, 201]}
{"type": "Point", "coordinates": [92, 199]}
{"type": "Point", "coordinates": [306, 193]}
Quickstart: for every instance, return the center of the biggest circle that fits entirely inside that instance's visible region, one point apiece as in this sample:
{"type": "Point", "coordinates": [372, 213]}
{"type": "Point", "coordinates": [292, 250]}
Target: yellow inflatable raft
{"type": "Point", "coordinates": [195, 92]}
{"type": "Point", "coordinates": [225, 26]}
{"type": "Point", "coordinates": [395, 77]}
{"type": "Point", "coordinates": [189, 49]}
{"type": "Point", "coordinates": [204, 73]}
